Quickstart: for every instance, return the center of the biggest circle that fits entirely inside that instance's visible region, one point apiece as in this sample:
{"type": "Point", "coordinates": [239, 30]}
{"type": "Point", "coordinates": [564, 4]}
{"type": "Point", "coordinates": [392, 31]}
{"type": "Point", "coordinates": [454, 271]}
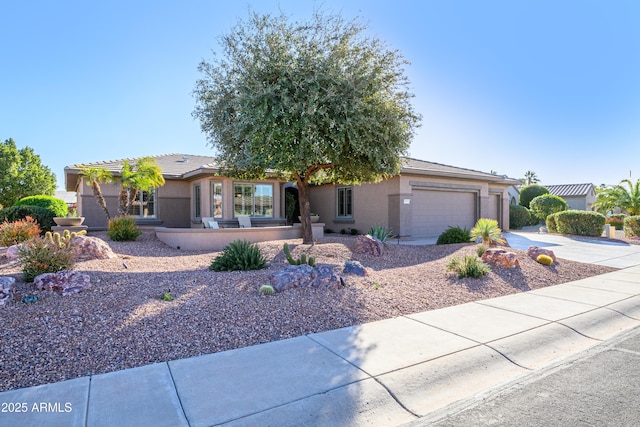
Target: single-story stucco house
{"type": "Point", "coordinates": [578, 196]}
{"type": "Point", "coordinates": [423, 200]}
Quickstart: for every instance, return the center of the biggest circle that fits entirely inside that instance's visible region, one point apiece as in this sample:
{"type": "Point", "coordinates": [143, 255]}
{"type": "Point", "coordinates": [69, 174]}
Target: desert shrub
{"type": "Point", "coordinates": [57, 206]}
{"type": "Point", "coordinates": [266, 290]}
{"type": "Point", "coordinates": [239, 255]}
{"type": "Point", "coordinates": [123, 229]}
{"type": "Point", "coordinates": [38, 256]}
{"type": "Point", "coordinates": [616, 220]}
{"type": "Point", "coordinates": [488, 230]}
{"type": "Point", "coordinates": [353, 231]}
{"type": "Point", "coordinates": [481, 250]}
{"type": "Point", "coordinates": [454, 235]}
{"type": "Point", "coordinates": [529, 192]}
{"type": "Point", "coordinates": [469, 266]}
{"type": "Point", "coordinates": [543, 206]}
{"type": "Point", "coordinates": [12, 233]}
{"type": "Point", "coordinates": [381, 232]}
{"type": "Point", "coordinates": [581, 223]}
{"type": "Point", "coordinates": [544, 259]}
{"type": "Point", "coordinates": [519, 216]}
{"type": "Point", "coordinates": [551, 223]}
{"type": "Point", "coordinates": [632, 226]}
{"type": "Point", "coordinates": [43, 216]}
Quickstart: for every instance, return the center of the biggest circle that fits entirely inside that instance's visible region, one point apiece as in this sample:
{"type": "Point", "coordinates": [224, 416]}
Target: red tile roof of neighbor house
{"type": "Point", "coordinates": [570, 190]}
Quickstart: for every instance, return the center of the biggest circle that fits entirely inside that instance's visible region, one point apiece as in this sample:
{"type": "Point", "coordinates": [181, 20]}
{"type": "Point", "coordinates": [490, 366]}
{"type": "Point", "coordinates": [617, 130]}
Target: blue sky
{"type": "Point", "coordinates": [509, 86]}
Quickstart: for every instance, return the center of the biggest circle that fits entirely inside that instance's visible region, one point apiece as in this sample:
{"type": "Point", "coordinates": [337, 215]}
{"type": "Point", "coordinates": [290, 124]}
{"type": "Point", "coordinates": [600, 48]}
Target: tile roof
{"type": "Point", "coordinates": [425, 167]}
{"type": "Point", "coordinates": [570, 190]}
{"type": "Point", "coordinates": [172, 165]}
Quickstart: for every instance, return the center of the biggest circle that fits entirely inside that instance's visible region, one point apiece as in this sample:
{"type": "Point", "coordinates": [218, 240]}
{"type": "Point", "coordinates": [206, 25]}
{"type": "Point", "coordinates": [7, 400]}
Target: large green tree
{"type": "Point", "coordinates": [317, 101]}
{"type": "Point", "coordinates": [625, 196]}
{"type": "Point", "coordinates": [22, 174]}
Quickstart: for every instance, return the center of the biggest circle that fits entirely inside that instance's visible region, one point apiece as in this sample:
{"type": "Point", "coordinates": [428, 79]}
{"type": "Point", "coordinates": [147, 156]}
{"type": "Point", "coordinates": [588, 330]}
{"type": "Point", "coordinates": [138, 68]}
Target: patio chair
{"type": "Point", "coordinates": [244, 221]}
{"type": "Point", "coordinates": [209, 222]}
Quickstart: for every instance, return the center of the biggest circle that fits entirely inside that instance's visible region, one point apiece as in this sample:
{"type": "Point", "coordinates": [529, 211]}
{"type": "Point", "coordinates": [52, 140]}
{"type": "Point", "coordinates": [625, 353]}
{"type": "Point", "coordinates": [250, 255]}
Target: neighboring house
{"type": "Point", "coordinates": [514, 194]}
{"type": "Point", "coordinates": [422, 201]}
{"type": "Point", "coordinates": [578, 196]}
{"type": "Point", "coordinates": [193, 189]}
{"type": "Point", "coordinates": [69, 197]}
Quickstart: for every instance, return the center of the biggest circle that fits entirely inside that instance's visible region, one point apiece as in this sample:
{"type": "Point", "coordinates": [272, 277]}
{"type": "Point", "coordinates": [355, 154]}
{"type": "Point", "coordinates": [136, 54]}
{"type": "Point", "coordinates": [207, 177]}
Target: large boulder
{"type": "Point", "coordinates": [87, 247]}
{"type": "Point", "coordinates": [302, 276]}
{"type": "Point", "coordinates": [66, 282]}
{"type": "Point", "coordinates": [368, 245]}
{"type": "Point", "coordinates": [354, 267]}
{"type": "Point", "coordinates": [6, 289]}
{"type": "Point", "coordinates": [12, 251]}
{"type": "Point", "coordinates": [534, 252]}
{"type": "Point", "coordinates": [500, 258]}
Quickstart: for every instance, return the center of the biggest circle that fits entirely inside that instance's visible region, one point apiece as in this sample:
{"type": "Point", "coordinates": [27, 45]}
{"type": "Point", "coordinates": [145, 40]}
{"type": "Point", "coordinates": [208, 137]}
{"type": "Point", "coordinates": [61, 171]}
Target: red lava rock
{"type": "Point", "coordinates": [500, 258]}
{"type": "Point", "coordinates": [368, 245]}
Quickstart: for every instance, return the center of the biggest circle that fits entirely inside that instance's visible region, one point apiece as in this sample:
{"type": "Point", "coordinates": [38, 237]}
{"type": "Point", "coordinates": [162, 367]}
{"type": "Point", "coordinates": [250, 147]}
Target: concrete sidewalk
{"type": "Point", "coordinates": [382, 373]}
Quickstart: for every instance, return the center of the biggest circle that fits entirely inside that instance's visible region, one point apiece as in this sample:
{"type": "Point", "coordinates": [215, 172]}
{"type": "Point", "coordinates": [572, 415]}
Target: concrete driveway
{"type": "Point", "coordinates": [593, 251]}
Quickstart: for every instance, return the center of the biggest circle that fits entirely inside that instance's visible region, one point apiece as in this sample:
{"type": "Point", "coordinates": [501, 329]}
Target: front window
{"type": "Point", "coordinates": [253, 199]}
{"type": "Point", "coordinates": [196, 200]}
{"type": "Point", "coordinates": [216, 199]}
{"type": "Point", "coordinates": [344, 203]}
{"type": "Point", "coordinates": [144, 205]}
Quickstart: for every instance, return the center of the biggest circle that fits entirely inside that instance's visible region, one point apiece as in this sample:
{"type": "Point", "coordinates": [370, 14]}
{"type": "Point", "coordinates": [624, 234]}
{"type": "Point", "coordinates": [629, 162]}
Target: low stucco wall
{"type": "Point", "coordinates": [199, 239]}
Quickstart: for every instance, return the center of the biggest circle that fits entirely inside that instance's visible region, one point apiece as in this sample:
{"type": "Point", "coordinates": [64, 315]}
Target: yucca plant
{"type": "Point", "coordinates": [469, 266]}
{"type": "Point", "coordinates": [488, 230]}
{"type": "Point", "coordinates": [381, 232]}
{"type": "Point", "coordinates": [239, 255]}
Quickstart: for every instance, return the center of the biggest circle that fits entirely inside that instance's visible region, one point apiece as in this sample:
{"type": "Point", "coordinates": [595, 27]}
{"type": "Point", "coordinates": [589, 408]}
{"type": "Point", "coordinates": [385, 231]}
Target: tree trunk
{"type": "Point", "coordinates": [97, 193]}
{"type": "Point", "coordinates": [123, 201]}
{"type": "Point", "coordinates": [305, 211]}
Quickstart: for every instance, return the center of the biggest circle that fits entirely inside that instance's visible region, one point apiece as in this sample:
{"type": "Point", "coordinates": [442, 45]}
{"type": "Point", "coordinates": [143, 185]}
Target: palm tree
{"type": "Point", "coordinates": [627, 199]}
{"type": "Point", "coordinates": [97, 175]}
{"type": "Point", "coordinates": [144, 176]}
{"type": "Point", "coordinates": [530, 177]}
{"type": "Point", "coordinates": [488, 230]}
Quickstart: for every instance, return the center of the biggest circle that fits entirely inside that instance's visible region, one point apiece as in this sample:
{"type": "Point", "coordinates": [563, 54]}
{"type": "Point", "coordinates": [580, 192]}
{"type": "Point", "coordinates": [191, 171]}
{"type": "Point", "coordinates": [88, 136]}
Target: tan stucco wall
{"type": "Point", "coordinates": [388, 203]}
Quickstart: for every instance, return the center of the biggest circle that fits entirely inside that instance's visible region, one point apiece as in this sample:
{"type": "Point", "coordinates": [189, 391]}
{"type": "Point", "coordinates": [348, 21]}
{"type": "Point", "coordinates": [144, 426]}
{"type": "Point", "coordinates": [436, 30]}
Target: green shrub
{"type": "Point", "coordinates": [239, 255]}
{"type": "Point", "coordinates": [454, 235]}
{"type": "Point", "coordinates": [632, 226]}
{"type": "Point", "coordinates": [123, 229]}
{"type": "Point", "coordinates": [38, 256]}
{"type": "Point", "coordinates": [353, 231]}
{"type": "Point", "coordinates": [545, 260]}
{"type": "Point", "coordinates": [381, 232]}
{"type": "Point", "coordinates": [12, 233]}
{"type": "Point", "coordinates": [301, 260]}
{"type": "Point", "coordinates": [519, 216]}
{"type": "Point", "coordinates": [551, 223]}
{"type": "Point", "coordinates": [481, 250]}
{"type": "Point", "coordinates": [488, 230]}
{"type": "Point", "coordinates": [543, 206]}
{"type": "Point", "coordinates": [469, 266]}
{"type": "Point", "coordinates": [43, 216]}
{"type": "Point", "coordinates": [580, 223]}
{"type": "Point", "coordinates": [616, 220]}
{"type": "Point", "coordinates": [529, 192]}
{"type": "Point", "coordinates": [57, 206]}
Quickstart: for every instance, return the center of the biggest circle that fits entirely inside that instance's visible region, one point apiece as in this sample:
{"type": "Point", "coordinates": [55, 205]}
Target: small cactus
{"type": "Point", "coordinates": [302, 260]}
{"type": "Point", "coordinates": [266, 290]}
{"type": "Point", "coordinates": [63, 240]}
{"type": "Point", "coordinates": [545, 260]}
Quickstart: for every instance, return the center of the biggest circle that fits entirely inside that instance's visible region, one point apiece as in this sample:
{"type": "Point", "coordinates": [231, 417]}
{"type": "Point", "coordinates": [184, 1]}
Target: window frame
{"type": "Point", "coordinates": [154, 193]}
{"type": "Point", "coordinates": [212, 207]}
{"type": "Point", "coordinates": [344, 197]}
{"type": "Point", "coordinates": [197, 200]}
{"type": "Point", "coordinates": [253, 205]}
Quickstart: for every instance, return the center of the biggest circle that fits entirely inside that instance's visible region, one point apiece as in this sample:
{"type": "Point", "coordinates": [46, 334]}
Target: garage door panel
{"type": "Point", "coordinates": [434, 211]}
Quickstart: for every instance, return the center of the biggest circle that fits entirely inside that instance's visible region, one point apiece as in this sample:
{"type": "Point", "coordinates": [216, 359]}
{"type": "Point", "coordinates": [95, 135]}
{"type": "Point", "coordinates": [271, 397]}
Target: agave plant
{"type": "Point", "coordinates": [488, 230]}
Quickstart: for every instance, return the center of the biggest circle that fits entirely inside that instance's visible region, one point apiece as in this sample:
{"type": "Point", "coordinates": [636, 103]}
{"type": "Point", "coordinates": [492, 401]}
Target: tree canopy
{"type": "Point", "coordinates": [625, 196]}
{"type": "Point", "coordinates": [22, 174]}
{"type": "Point", "coordinates": [317, 101]}
{"type": "Point", "coordinates": [530, 177]}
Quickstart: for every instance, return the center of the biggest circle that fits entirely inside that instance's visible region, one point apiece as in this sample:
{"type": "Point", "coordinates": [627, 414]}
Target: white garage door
{"type": "Point", "coordinates": [494, 207]}
{"type": "Point", "coordinates": [434, 211]}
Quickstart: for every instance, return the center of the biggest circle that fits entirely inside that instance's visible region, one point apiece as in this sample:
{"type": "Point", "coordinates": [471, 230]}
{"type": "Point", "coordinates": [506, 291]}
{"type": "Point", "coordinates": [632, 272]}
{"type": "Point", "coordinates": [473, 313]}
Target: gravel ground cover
{"type": "Point", "coordinates": [121, 322]}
